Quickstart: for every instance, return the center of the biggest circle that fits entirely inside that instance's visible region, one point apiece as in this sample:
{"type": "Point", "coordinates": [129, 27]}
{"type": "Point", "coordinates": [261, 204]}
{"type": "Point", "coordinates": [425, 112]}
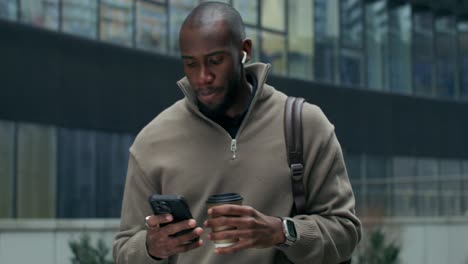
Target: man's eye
{"type": "Point", "coordinates": [190, 64]}
{"type": "Point", "coordinates": [216, 61]}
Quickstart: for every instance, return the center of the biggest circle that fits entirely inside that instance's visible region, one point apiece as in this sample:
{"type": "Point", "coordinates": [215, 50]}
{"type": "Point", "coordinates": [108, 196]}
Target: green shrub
{"type": "Point", "coordinates": [85, 253]}
{"type": "Point", "coordinates": [377, 250]}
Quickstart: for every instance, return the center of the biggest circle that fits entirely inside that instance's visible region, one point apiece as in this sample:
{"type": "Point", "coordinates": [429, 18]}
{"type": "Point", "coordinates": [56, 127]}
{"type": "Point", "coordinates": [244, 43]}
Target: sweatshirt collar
{"type": "Point", "coordinates": [260, 70]}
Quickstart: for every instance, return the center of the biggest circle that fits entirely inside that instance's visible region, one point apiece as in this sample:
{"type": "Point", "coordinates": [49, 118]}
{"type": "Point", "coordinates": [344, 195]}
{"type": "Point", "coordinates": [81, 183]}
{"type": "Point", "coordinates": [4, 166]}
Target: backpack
{"type": "Point", "coordinates": [293, 137]}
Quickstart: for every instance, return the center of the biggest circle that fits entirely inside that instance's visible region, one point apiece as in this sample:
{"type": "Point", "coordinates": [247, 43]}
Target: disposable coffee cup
{"type": "Point", "coordinates": [220, 199]}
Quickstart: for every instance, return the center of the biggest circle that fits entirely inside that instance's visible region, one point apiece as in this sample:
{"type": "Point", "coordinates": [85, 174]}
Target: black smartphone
{"type": "Point", "coordinates": [174, 205]}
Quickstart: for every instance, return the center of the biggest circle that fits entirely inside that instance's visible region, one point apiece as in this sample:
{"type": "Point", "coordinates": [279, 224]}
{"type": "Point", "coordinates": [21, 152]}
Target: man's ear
{"type": "Point", "coordinates": [246, 50]}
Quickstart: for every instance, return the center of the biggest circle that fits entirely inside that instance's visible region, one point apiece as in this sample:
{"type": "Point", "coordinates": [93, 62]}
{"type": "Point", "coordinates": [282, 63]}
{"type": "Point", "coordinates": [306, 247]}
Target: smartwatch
{"type": "Point", "coordinates": [289, 231]}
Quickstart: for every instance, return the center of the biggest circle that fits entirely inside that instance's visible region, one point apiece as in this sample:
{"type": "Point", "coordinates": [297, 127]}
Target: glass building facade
{"type": "Point", "coordinates": [48, 171]}
{"type": "Point", "coordinates": [375, 45]}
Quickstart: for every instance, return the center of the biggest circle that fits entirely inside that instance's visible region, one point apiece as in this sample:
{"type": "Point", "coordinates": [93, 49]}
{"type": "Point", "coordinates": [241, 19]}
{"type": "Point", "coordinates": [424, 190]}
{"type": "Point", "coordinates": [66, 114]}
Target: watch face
{"type": "Point", "coordinates": [291, 228]}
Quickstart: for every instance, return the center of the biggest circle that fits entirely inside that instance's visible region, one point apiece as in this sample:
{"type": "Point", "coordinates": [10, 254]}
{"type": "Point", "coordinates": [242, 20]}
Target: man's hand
{"type": "Point", "coordinates": [158, 240]}
{"type": "Point", "coordinates": [253, 229]}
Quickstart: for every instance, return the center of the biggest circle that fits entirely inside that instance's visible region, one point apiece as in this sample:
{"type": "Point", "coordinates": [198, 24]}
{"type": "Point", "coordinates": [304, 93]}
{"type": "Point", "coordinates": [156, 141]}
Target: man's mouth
{"type": "Point", "coordinates": [207, 95]}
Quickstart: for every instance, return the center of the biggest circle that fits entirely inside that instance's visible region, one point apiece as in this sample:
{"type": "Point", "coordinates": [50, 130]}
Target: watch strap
{"type": "Point", "coordinates": [289, 239]}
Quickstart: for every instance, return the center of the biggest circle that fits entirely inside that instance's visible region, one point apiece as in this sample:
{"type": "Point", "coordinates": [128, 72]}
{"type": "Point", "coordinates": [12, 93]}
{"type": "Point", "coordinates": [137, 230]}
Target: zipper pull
{"type": "Point", "coordinates": [234, 148]}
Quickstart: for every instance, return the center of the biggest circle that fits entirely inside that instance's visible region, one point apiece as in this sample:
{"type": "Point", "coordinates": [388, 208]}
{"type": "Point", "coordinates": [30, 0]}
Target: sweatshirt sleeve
{"type": "Point", "coordinates": [330, 231]}
{"type": "Point", "coordinates": [129, 245]}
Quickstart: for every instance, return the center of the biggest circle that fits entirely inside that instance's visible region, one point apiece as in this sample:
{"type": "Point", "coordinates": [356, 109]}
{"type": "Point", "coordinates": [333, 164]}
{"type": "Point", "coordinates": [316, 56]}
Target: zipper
{"type": "Point", "coordinates": [233, 145]}
{"type": "Point", "coordinates": [234, 148]}
{"type": "Point", "coordinates": [254, 100]}
{"type": "Point", "coordinates": [191, 98]}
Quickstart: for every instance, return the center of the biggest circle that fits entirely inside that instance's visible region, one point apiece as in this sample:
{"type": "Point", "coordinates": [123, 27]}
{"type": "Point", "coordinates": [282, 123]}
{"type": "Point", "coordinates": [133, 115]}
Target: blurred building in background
{"type": "Point", "coordinates": [79, 79]}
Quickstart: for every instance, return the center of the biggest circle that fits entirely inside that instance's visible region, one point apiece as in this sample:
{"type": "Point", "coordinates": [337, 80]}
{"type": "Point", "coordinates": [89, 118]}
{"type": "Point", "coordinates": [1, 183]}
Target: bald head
{"type": "Point", "coordinates": [209, 13]}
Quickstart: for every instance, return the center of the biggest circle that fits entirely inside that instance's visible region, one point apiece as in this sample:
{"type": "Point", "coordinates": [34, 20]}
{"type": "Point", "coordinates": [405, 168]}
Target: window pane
{"type": "Point", "coordinates": [400, 49]}
{"type": "Point", "coordinates": [248, 10]}
{"type": "Point", "coordinates": [377, 175]}
{"type": "Point", "coordinates": [8, 9]}
{"type": "Point", "coordinates": [36, 171]}
{"type": "Point", "coordinates": [355, 174]}
{"type": "Point", "coordinates": [351, 67]}
{"type": "Point", "coordinates": [464, 186]}
{"type": "Point", "coordinates": [300, 25]}
{"type": "Point", "coordinates": [116, 21]}
{"type": "Point", "coordinates": [179, 9]}
{"type": "Point", "coordinates": [326, 27]}
{"type": "Point", "coordinates": [465, 168]}
{"type": "Point", "coordinates": [428, 187]}
{"type": "Point", "coordinates": [326, 24]}
{"type": "Point", "coordinates": [325, 62]}
{"type": "Point", "coordinates": [151, 26]}
{"type": "Point", "coordinates": [404, 189]}
{"type": "Point", "coordinates": [351, 23]}
{"type": "Point", "coordinates": [80, 17]}
{"type": "Point", "coordinates": [446, 57]}
{"type": "Point", "coordinates": [376, 45]}
{"type": "Point", "coordinates": [7, 140]}
{"type": "Point", "coordinates": [42, 13]}
{"type": "Point", "coordinates": [273, 51]}
{"type": "Point", "coordinates": [353, 167]}
{"type": "Point", "coordinates": [351, 55]}
{"type": "Point", "coordinates": [427, 168]}
{"type": "Point", "coordinates": [463, 58]}
{"type": "Point", "coordinates": [450, 187]}
{"type": "Point", "coordinates": [423, 50]}
{"type": "Point", "coordinates": [273, 14]}
{"type": "Point", "coordinates": [404, 167]}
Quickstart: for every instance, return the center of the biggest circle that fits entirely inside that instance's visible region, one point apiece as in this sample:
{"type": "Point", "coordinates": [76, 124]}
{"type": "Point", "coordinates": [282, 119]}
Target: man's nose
{"type": "Point", "coordinates": [205, 75]}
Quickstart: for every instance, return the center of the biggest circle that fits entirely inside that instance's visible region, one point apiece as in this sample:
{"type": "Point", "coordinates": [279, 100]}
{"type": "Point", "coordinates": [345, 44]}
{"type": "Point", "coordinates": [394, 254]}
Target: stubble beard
{"type": "Point", "coordinates": [228, 100]}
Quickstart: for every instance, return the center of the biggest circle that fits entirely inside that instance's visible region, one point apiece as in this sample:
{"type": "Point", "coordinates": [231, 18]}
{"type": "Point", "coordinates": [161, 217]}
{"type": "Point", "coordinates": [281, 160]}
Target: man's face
{"type": "Point", "coordinates": [212, 65]}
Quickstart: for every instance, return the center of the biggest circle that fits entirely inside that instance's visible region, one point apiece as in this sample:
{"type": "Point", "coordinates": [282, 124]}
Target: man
{"type": "Point", "coordinates": [226, 135]}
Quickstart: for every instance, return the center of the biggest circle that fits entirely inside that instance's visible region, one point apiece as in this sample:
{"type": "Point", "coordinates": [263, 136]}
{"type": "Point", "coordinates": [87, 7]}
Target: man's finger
{"type": "Point", "coordinates": [153, 221]}
{"type": "Point", "coordinates": [179, 226]}
{"type": "Point", "coordinates": [182, 239]}
{"type": "Point", "coordinates": [238, 222]}
{"type": "Point", "coordinates": [232, 234]}
{"type": "Point", "coordinates": [231, 210]}
{"type": "Point", "coordinates": [243, 244]}
{"type": "Point", "coordinates": [189, 246]}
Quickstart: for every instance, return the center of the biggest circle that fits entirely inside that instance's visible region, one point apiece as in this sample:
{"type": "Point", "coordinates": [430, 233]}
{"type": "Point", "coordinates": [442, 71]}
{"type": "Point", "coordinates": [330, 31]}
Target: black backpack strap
{"type": "Point", "coordinates": [293, 134]}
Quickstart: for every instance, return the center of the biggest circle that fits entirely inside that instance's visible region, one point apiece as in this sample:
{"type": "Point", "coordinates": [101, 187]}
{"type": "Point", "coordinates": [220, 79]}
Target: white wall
{"type": "Point", "coordinates": [46, 241]}
{"type": "Point", "coordinates": [434, 242]}
{"type": "Point", "coordinates": [428, 240]}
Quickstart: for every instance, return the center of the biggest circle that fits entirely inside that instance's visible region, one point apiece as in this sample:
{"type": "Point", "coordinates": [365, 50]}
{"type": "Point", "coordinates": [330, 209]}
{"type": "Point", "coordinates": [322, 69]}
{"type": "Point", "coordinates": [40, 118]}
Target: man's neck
{"type": "Point", "coordinates": [242, 99]}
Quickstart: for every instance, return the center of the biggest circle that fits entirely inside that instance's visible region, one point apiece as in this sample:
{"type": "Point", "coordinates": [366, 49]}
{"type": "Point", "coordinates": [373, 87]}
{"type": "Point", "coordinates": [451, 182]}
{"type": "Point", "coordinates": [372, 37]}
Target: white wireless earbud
{"type": "Point", "coordinates": [244, 57]}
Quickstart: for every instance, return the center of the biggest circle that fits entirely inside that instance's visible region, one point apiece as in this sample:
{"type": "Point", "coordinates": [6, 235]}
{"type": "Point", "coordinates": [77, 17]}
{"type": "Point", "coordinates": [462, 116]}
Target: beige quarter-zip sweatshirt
{"type": "Point", "coordinates": [183, 152]}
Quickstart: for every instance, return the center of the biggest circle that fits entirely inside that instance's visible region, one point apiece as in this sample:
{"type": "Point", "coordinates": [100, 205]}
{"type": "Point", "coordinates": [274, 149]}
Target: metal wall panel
{"type": "Point", "coordinates": [7, 159]}
{"type": "Point", "coordinates": [36, 171]}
